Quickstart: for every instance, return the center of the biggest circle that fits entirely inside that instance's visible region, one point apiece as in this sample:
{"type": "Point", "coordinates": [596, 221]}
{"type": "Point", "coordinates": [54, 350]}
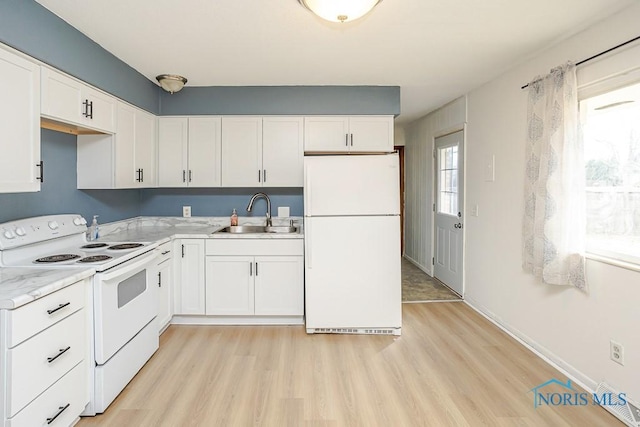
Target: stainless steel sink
{"type": "Point", "coordinates": [257, 229]}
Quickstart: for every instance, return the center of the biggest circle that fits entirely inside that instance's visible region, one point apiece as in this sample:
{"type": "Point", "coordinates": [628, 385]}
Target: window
{"type": "Point", "coordinates": [611, 131]}
{"type": "Point", "coordinates": [448, 180]}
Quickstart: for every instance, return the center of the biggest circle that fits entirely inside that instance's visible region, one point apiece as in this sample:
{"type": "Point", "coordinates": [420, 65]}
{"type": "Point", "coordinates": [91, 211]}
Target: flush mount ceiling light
{"type": "Point", "coordinates": [171, 82]}
{"type": "Point", "coordinates": [340, 10]}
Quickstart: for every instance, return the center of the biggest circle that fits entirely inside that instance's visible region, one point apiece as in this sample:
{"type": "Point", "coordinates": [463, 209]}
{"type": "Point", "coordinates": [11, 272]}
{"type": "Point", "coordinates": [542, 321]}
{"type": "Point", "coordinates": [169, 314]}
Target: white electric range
{"type": "Point", "coordinates": [124, 299]}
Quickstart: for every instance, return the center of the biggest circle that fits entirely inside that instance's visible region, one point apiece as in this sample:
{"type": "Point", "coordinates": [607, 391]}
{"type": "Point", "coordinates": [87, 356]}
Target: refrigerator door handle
{"type": "Point", "coordinates": [308, 256]}
{"type": "Point", "coordinates": [307, 191]}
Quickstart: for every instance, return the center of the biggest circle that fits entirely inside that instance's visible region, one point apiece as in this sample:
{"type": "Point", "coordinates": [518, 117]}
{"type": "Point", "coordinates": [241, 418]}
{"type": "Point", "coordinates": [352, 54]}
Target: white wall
{"type": "Point", "coordinates": [571, 328]}
{"type": "Point", "coordinates": [419, 137]}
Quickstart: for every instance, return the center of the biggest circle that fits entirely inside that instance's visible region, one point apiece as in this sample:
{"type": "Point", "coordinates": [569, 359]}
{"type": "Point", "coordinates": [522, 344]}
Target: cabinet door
{"type": "Point", "coordinates": [172, 151]}
{"type": "Point", "coordinates": [145, 149]}
{"type": "Point", "coordinates": [326, 134]}
{"type": "Point", "coordinates": [101, 110]}
{"type": "Point", "coordinates": [371, 133]}
{"type": "Point", "coordinates": [20, 124]}
{"type": "Point", "coordinates": [279, 286]}
{"type": "Point", "coordinates": [242, 151]}
{"type": "Point", "coordinates": [204, 152]}
{"type": "Point", "coordinates": [164, 300]}
{"type": "Point", "coordinates": [282, 151]}
{"type": "Point", "coordinates": [230, 285]}
{"type": "Point", "coordinates": [124, 169]}
{"type": "Point", "coordinates": [189, 276]}
{"type": "Point", "coordinates": [61, 97]}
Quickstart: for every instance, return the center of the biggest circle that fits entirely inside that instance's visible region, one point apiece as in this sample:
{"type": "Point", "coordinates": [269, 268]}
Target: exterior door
{"type": "Point", "coordinates": [449, 179]}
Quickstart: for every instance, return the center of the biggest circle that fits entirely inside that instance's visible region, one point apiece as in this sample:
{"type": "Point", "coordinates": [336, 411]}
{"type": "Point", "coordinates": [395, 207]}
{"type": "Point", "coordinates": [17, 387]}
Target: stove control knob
{"type": "Point", "coordinates": [20, 231]}
{"type": "Point", "coordinates": [8, 234]}
{"type": "Point", "coordinates": [53, 225]}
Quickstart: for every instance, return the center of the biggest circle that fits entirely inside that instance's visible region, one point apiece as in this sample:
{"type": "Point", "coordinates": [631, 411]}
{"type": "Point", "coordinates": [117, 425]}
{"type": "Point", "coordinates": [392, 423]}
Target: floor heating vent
{"type": "Point", "coordinates": [353, 331]}
{"type": "Point", "coordinates": [628, 413]}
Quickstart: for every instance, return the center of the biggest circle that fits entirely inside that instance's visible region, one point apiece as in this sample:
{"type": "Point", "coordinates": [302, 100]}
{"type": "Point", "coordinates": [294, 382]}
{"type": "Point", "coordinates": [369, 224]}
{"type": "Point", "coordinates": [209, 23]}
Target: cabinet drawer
{"type": "Point", "coordinates": [70, 390]}
{"type": "Point", "coordinates": [254, 247]}
{"type": "Point", "coordinates": [30, 365]}
{"type": "Point", "coordinates": [32, 318]}
{"type": "Point", "coordinates": [164, 252]}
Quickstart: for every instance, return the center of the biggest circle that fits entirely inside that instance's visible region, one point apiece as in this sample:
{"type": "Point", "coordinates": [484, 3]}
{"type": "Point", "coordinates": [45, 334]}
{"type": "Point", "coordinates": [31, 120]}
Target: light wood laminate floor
{"type": "Point", "coordinates": [449, 367]}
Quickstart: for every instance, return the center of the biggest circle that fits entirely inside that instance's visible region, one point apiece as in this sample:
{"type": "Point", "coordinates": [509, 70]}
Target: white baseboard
{"type": "Point", "coordinates": [236, 320]}
{"type": "Point", "coordinates": [578, 377]}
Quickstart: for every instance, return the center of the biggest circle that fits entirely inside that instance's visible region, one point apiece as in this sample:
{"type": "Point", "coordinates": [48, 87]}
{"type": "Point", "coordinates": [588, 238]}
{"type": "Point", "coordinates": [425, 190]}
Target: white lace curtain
{"type": "Point", "coordinates": [553, 228]}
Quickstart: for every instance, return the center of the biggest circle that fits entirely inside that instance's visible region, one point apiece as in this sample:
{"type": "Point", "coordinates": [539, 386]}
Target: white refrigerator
{"type": "Point", "coordinates": [352, 244]}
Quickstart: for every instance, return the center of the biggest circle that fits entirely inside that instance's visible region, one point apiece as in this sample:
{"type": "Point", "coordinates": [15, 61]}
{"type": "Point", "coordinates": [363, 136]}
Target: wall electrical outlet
{"type": "Point", "coordinates": [186, 211]}
{"type": "Point", "coordinates": [616, 352]}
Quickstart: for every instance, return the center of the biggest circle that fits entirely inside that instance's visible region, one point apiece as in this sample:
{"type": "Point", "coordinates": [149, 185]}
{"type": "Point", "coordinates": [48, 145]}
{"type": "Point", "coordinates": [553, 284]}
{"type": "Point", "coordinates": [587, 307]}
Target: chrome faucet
{"type": "Point", "coordinates": [264, 196]}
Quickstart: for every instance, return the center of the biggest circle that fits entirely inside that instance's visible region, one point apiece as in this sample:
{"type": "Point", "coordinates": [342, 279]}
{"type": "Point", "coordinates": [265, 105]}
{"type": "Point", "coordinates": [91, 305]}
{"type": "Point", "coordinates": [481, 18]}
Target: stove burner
{"type": "Point", "coordinates": [57, 258]}
{"type": "Point", "coordinates": [94, 246]}
{"type": "Point", "coordinates": [125, 246]}
{"type": "Point", "coordinates": [95, 258]}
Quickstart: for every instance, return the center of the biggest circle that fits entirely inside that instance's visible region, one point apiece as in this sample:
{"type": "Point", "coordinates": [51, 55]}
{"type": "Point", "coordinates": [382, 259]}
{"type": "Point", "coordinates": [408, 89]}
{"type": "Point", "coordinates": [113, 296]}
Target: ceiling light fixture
{"type": "Point", "coordinates": [340, 10]}
{"type": "Point", "coordinates": [172, 83]}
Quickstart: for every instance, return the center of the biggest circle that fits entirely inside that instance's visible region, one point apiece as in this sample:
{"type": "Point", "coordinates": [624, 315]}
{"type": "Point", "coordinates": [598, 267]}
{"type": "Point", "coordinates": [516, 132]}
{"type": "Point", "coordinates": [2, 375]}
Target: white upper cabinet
{"type": "Point", "coordinates": [20, 167]}
{"type": "Point", "coordinates": [242, 151]}
{"type": "Point", "coordinates": [135, 148]}
{"type": "Point", "coordinates": [262, 152]}
{"type": "Point", "coordinates": [348, 134]}
{"type": "Point", "coordinates": [126, 159]}
{"type": "Point", "coordinates": [189, 151]}
{"type": "Point", "coordinates": [68, 100]}
{"type": "Point", "coordinates": [282, 151]}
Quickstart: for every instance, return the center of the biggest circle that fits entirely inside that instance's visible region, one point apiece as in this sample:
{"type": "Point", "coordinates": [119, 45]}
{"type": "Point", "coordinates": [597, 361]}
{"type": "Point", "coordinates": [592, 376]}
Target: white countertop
{"type": "Point", "coordinates": [21, 285]}
{"type": "Point", "coordinates": [162, 229]}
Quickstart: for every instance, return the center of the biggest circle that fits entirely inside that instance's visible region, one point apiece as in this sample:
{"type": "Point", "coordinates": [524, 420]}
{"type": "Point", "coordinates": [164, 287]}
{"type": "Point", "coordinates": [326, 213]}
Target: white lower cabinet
{"type": "Point", "coordinates": [189, 276]}
{"type": "Point", "coordinates": [164, 272]}
{"type": "Point", "coordinates": [260, 277]}
{"type": "Point", "coordinates": [45, 359]}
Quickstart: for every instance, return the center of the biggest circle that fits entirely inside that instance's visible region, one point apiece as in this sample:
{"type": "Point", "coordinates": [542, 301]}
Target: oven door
{"type": "Point", "coordinates": [124, 302]}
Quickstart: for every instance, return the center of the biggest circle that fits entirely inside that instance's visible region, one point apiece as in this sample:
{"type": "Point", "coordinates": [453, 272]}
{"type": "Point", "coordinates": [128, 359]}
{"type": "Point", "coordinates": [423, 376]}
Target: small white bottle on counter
{"type": "Point", "coordinates": [94, 228]}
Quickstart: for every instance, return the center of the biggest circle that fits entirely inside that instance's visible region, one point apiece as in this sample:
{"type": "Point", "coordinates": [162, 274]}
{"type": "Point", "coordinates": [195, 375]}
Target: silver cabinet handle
{"type": "Point", "coordinates": [184, 175]}
{"type": "Point", "coordinates": [256, 268]}
{"type": "Point", "coordinates": [352, 140]}
{"type": "Point", "coordinates": [59, 307]}
{"type": "Point", "coordinates": [41, 166]}
{"type": "Point", "coordinates": [61, 409]}
{"type": "Point", "coordinates": [60, 353]}
{"type": "Point", "coordinates": [250, 269]}
{"type": "Point", "coordinates": [346, 139]}
{"type": "Point", "coordinates": [264, 175]}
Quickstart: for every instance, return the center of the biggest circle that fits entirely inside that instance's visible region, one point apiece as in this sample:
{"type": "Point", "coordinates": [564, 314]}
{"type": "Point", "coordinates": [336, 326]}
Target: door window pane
{"type": "Point", "coordinates": [447, 202]}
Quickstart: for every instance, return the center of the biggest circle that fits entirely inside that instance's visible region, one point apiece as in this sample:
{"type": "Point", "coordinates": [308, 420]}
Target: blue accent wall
{"type": "Point", "coordinates": [282, 100]}
{"type": "Point", "coordinates": [217, 201]}
{"type": "Point", "coordinates": [29, 27]}
{"type": "Point", "coordinates": [58, 194]}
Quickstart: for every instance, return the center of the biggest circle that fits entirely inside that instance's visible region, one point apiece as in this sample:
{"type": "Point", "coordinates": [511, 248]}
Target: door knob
{"type": "Point", "coordinates": [458, 225]}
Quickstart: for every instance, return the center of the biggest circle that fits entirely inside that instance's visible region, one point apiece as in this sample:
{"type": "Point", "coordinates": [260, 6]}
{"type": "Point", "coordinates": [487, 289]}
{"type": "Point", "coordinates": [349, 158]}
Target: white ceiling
{"type": "Point", "coordinates": [435, 50]}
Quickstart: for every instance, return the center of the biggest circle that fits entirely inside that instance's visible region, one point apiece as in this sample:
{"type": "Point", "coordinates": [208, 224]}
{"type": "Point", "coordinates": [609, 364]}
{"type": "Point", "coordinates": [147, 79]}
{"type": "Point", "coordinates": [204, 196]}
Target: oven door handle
{"type": "Point", "coordinates": [129, 267]}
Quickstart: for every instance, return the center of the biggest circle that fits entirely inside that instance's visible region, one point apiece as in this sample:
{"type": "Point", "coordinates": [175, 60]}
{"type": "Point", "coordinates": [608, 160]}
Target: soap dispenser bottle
{"type": "Point", "coordinates": [234, 218]}
{"type": "Point", "coordinates": [94, 229]}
